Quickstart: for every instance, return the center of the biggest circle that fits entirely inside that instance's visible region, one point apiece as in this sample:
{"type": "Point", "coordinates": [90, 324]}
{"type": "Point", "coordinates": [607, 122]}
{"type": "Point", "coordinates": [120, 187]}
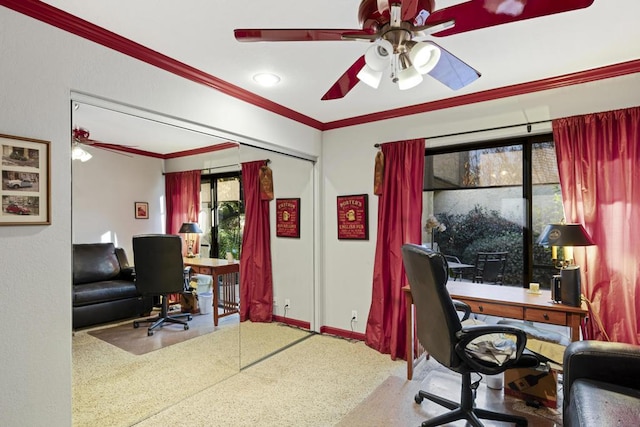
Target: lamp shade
{"type": "Point", "coordinates": [370, 76]}
{"type": "Point", "coordinates": [424, 56]}
{"type": "Point", "coordinates": [378, 56]}
{"type": "Point", "coordinates": [190, 227]}
{"type": "Point", "coordinates": [565, 235]}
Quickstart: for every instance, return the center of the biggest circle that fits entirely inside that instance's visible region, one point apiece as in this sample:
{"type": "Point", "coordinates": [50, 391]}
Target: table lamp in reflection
{"type": "Point", "coordinates": [567, 236]}
{"type": "Point", "coordinates": [189, 229]}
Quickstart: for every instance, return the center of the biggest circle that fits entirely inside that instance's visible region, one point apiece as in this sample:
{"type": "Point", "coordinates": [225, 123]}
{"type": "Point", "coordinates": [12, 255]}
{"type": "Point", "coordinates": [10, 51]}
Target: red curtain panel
{"type": "Point", "coordinates": [256, 280]}
{"type": "Point", "coordinates": [182, 193]}
{"type": "Point", "coordinates": [599, 164]}
{"type": "Point", "coordinates": [399, 222]}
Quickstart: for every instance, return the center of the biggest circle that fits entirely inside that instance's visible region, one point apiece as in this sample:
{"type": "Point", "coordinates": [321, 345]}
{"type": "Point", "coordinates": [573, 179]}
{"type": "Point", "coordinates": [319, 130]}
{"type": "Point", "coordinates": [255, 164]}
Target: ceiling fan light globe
{"type": "Point", "coordinates": [77, 153]}
{"type": "Point", "coordinates": [370, 77]}
{"type": "Point", "coordinates": [378, 56]}
{"type": "Point", "coordinates": [409, 78]}
{"type": "Point", "coordinates": [424, 57]}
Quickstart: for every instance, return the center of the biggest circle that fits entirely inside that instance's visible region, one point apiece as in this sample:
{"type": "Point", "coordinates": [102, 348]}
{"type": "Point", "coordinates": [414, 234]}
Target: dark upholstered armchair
{"type": "Point", "coordinates": [601, 384]}
{"type": "Point", "coordinates": [159, 272]}
{"type": "Point", "coordinates": [442, 335]}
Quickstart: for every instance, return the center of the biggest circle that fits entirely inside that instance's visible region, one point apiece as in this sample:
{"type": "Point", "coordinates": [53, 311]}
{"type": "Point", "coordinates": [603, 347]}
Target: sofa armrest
{"type": "Point", "coordinates": [609, 362]}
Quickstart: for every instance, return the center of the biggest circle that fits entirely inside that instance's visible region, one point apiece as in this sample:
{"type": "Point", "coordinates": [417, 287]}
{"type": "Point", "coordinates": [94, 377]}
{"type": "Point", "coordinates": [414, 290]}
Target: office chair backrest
{"type": "Point", "coordinates": [158, 264]}
{"type": "Point", "coordinates": [437, 320]}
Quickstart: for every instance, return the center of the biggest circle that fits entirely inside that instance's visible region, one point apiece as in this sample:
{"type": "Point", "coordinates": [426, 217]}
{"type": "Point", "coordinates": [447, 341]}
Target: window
{"type": "Point", "coordinates": [494, 197]}
{"type": "Point", "coordinates": [222, 213]}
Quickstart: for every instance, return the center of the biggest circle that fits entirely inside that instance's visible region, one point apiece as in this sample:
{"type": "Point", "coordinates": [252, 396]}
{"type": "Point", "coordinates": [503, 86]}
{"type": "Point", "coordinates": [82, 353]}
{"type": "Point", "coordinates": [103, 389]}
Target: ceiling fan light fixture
{"type": "Point", "coordinates": [378, 56]}
{"type": "Point", "coordinates": [424, 56]}
{"type": "Point", "coordinates": [408, 76]}
{"type": "Point", "coordinates": [266, 79]}
{"type": "Point", "coordinates": [77, 153]}
{"type": "Point", "coordinates": [369, 76]}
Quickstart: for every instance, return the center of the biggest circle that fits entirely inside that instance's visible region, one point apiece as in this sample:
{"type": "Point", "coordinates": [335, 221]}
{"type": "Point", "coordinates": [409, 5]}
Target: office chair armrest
{"type": "Point", "coordinates": [464, 307]}
{"type": "Point", "coordinates": [469, 333]}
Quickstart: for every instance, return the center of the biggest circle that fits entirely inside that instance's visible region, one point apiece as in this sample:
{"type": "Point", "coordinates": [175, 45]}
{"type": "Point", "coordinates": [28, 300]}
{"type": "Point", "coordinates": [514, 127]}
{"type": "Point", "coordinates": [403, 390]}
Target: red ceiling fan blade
{"type": "Point", "coordinates": [346, 82]}
{"type": "Point", "coordinates": [409, 9]}
{"type": "Point", "coordinates": [452, 71]}
{"type": "Point", "coordinates": [300, 34]}
{"type": "Point", "coordinates": [476, 14]}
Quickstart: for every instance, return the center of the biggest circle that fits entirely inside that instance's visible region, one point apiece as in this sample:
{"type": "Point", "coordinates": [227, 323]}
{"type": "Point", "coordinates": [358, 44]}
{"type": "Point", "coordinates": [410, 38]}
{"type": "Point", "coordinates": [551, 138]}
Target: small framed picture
{"type": "Point", "coordinates": [288, 218]}
{"type": "Point", "coordinates": [142, 210]}
{"type": "Point", "coordinates": [25, 186]}
{"type": "Point", "coordinates": [353, 222]}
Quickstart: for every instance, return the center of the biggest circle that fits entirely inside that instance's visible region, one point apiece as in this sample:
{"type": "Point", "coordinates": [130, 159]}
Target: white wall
{"type": "Point", "coordinates": [104, 192]}
{"type": "Point", "coordinates": [40, 67]}
{"type": "Point", "coordinates": [348, 161]}
{"type": "Point", "coordinates": [292, 259]}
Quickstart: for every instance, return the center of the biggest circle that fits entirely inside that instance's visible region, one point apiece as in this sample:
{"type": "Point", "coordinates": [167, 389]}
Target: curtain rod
{"type": "Point", "coordinates": [469, 132]}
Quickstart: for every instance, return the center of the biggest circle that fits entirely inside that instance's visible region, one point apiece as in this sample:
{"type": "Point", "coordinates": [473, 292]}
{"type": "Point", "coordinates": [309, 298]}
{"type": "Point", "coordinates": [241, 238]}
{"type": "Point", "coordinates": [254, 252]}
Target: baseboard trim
{"type": "Point", "coordinates": [342, 333]}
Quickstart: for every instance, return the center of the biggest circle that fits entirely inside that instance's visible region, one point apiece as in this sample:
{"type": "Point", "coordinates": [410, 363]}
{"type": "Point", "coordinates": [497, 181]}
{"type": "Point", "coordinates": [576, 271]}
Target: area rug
{"type": "Point", "coordinates": [136, 341]}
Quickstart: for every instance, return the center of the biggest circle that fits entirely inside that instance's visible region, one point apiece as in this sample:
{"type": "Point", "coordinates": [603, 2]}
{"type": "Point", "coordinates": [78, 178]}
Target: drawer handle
{"type": "Point", "coordinates": [546, 316]}
{"type": "Point", "coordinates": [480, 308]}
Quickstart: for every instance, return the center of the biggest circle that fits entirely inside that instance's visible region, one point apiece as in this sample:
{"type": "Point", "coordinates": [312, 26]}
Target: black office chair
{"type": "Point", "coordinates": [440, 332]}
{"type": "Point", "coordinates": [159, 272]}
{"type": "Point", "coordinates": [489, 267]}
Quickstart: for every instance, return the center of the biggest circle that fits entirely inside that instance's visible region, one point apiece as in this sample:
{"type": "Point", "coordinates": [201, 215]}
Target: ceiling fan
{"type": "Point", "coordinates": [400, 31]}
{"type": "Point", "coordinates": [81, 136]}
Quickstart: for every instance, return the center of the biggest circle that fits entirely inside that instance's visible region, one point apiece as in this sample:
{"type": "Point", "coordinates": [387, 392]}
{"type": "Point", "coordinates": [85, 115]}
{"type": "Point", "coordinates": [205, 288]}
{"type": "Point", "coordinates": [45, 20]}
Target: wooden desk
{"type": "Point", "coordinates": [501, 301]}
{"type": "Point", "coordinates": [226, 275]}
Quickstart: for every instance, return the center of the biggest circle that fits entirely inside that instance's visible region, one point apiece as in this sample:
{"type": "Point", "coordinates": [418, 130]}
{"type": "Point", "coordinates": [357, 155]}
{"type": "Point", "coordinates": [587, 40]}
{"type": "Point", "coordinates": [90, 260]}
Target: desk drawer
{"type": "Point", "coordinates": [545, 316]}
{"type": "Point", "coordinates": [495, 309]}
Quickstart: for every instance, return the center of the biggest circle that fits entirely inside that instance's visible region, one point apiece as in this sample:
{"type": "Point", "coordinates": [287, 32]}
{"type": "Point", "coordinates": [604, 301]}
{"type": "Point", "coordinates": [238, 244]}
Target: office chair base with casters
{"type": "Point", "coordinates": [465, 410]}
{"type": "Point", "coordinates": [162, 318]}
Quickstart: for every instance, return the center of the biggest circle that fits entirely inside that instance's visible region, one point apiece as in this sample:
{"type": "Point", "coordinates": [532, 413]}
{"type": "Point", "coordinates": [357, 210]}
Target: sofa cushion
{"type": "Point", "coordinates": [94, 262]}
{"type": "Point", "coordinates": [109, 290]}
{"type": "Point", "coordinates": [596, 403]}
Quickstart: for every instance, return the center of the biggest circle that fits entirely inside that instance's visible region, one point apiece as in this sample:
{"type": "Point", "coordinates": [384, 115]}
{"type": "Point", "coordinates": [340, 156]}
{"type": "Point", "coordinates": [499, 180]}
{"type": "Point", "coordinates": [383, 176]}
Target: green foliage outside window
{"type": "Point", "coordinates": [482, 230]}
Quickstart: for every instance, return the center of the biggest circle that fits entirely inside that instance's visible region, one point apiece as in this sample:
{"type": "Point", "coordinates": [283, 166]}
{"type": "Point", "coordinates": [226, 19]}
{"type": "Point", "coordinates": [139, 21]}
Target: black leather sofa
{"type": "Point", "coordinates": [601, 384]}
{"type": "Point", "coordinates": [103, 286]}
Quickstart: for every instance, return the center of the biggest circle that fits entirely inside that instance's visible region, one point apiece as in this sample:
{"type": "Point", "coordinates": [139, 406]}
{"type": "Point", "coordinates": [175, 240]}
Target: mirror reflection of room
{"type": "Point", "coordinates": [212, 238]}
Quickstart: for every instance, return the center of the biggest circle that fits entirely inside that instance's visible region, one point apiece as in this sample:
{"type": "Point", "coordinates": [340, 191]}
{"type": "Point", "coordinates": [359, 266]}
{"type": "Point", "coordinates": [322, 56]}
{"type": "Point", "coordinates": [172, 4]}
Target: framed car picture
{"type": "Point", "coordinates": [353, 222]}
{"type": "Point", "coordinates": [25, 181]}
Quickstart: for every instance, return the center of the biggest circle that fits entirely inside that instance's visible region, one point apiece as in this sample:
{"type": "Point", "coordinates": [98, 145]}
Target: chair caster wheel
{"type": "Point", "coordinates": [189, 318]}
{"type": "Point", "coordinates": [418, 399]}
{"type": "Point", "coordinates": [186, 327]}
{"type": "Point", "coordinates": [149, 333]}
{"type": "Point", "coordinates": [136, 325]}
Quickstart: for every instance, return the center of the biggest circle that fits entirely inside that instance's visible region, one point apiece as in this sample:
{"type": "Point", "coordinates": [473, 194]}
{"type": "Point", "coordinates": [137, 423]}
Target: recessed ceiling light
{"type": "Point", "coordinates": [266, 79]}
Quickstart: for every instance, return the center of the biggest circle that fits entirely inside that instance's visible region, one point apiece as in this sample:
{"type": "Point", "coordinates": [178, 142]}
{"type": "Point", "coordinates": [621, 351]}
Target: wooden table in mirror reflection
{"type": "Point", "coordinates": [226, 283]}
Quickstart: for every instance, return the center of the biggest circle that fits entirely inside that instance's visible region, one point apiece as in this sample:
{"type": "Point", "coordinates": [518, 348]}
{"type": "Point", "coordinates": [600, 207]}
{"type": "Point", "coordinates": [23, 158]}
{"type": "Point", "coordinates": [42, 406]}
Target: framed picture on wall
{"type": "Point", "coordinates": [353, 222]}
{"type": "Point", "coordinates": [142, 210]}
{"type": "Point", "coordinates": [288, 218]}
{"type": "Point", "coordinates": [25, 181]}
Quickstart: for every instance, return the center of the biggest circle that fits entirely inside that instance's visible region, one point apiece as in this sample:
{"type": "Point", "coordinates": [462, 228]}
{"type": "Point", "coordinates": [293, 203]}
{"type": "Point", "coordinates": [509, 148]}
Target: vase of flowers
{"type": "Point", "coordinates": [431, 226]}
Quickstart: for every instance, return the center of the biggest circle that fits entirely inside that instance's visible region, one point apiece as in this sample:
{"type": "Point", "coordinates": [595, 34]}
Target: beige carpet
{"type": "Point", "coordinates": [321, 381]}
{"type": "Point", "coordinates": [392, 403]}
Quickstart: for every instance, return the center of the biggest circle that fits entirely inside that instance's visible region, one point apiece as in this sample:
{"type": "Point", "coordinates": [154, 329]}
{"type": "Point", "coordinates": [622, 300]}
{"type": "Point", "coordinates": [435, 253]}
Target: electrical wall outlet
{"type": "Point", "coordinates": [354, 315]}
{"type": "Point", "coordinates": [287, 303]}
{"type": "Point", "coordinates": [275, 301]}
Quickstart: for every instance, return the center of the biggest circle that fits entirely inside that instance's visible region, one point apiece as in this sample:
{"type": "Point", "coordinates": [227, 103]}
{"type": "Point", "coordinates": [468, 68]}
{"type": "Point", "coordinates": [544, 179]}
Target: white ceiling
{"type": "Point", "coordinates": [200, 33]}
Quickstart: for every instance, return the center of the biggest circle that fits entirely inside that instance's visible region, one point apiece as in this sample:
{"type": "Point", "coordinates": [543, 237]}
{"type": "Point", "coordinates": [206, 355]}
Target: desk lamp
{"type": "Point", "coordinates": [190, 228]}
{"type": "Point", "coordinates": [568, 236]}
